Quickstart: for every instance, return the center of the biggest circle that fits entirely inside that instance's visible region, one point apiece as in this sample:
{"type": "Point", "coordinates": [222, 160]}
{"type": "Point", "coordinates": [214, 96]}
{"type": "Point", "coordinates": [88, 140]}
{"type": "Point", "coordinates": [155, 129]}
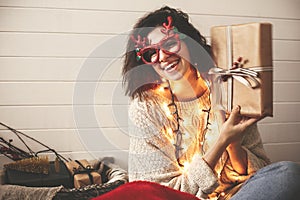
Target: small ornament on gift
{"type": "Point", "coordinates": [83, 173]}
{"type": "Point", "coordinates": [244, 72]}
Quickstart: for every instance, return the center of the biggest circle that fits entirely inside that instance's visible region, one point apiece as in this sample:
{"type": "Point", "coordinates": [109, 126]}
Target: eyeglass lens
{"type": "Point", "coordinates": [170, 45]}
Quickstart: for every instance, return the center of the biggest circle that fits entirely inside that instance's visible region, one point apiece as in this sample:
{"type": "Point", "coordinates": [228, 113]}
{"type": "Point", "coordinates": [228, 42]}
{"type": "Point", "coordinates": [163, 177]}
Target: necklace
{"type": "Point", "coordinates": [178, 133]}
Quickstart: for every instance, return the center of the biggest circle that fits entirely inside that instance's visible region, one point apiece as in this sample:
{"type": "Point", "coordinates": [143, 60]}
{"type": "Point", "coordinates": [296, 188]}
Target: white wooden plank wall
{"type": "Point", "coordinates": [44, 45]}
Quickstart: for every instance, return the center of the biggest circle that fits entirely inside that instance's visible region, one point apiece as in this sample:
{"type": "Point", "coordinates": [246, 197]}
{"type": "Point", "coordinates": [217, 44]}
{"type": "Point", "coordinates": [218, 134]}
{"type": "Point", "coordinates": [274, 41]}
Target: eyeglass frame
{"type": "Point", "coordinates": [157, 47]}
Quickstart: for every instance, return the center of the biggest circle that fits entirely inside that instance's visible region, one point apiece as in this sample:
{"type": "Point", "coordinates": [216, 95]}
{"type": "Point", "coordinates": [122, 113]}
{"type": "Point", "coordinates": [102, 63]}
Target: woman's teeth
{"type": "Point", "coordinates": [169, 67]}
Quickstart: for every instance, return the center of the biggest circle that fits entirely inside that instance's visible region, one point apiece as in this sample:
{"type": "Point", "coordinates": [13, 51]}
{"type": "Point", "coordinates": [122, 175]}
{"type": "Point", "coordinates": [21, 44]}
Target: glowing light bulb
{"type": "Point", "coordinates": [186, 136]}
{"type": "Point", "coordinates": [198, 111]}
{"type": "Point", "coordinates": [186, 122]}
{"type": "Point", "coordinates": [186, 165]}
{"type": "Point", "coordinates": [169, 134]}
{"type": "Point", "coordinates": [208, 137]}
{"type": "Point", "coordinates": [167, 110]}
{"type": "Point", "coordinates": [161, 89]}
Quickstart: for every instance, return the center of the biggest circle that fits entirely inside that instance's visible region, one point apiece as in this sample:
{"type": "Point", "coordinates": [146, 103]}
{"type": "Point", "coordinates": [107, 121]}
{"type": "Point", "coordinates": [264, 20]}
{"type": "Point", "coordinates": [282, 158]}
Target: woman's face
{"type": "Point", "coordinates": [169, 66]}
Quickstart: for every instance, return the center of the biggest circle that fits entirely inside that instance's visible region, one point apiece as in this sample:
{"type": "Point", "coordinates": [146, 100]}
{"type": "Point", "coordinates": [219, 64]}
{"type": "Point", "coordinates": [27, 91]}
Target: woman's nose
{"type": "Point", "coordinates": [163, 56]}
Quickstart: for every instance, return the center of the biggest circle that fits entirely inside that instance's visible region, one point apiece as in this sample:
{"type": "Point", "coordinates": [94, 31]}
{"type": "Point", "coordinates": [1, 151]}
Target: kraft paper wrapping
{"type": "Point", "coordinates": [81, 174]}
{"type": "Point", "coordinates": [81, 180]}
{"type": "Point", "coordinates": [252, 42]}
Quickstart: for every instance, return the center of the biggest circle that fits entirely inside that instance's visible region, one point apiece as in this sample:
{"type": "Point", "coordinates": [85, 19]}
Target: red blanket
{"type": "Point", "coordinates": [142, 190]}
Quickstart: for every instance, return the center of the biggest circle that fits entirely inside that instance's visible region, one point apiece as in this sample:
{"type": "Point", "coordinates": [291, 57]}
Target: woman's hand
{"type": "Point", "coordinates": [234, 127]}
{"type": "Point", "coordinates": [232, 133]}
{"type": "Point", "coordinates": [230, 139]}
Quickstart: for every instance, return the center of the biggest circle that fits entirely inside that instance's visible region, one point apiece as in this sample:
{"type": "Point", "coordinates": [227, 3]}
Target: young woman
{"type": "Point", "coordinates": [177, 136]}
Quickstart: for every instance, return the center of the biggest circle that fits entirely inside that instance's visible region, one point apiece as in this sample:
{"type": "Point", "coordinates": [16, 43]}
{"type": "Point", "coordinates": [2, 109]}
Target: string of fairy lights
{"type": "Point", "coordinates": [177, 131]}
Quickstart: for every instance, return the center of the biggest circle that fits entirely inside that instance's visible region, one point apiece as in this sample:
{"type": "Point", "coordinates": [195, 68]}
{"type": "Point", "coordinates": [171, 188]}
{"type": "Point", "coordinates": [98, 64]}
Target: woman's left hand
{"type": "Point", "coordinates": [234, 127]}
{"type": "Point", "coordinates": [231, 134]}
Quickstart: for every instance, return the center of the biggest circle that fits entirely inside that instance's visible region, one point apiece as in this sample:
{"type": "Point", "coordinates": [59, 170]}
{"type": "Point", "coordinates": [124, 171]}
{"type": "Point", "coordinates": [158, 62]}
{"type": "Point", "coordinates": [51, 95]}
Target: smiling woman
{"type": "Point", "coordinates": [47, 49]}
{"type": "Point", "coordinates": [188, 145]}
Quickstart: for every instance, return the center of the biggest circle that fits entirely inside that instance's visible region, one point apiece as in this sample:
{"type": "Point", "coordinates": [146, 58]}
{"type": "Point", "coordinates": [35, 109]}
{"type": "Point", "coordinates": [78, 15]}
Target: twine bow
{"type": "Point", "coordinates": [245, 76]}
{"type": "Point", "coordinates": [84, 170]}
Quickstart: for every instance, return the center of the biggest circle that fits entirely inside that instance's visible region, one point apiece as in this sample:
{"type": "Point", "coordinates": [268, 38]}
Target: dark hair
{"type": "Point", "coordinates": [139, 77]}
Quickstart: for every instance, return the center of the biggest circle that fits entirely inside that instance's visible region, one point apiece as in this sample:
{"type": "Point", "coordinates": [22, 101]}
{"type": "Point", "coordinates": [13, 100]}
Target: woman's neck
{"type": "Point", "coordinates": [188, 88]}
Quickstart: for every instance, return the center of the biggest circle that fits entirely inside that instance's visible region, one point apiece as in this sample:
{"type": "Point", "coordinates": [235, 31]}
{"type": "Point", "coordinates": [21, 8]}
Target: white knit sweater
{"type": "Point", "coordinates": [152, 153]}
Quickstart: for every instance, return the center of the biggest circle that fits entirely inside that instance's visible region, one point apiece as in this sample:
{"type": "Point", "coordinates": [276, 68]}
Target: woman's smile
{"type": "Point", "coordinates": [171, 67]}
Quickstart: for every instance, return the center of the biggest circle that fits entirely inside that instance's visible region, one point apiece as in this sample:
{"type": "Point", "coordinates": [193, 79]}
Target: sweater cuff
{"type": "Point", "coordinates": [252, 164]}
{"type": "Point", "coordinates": [203, 175]}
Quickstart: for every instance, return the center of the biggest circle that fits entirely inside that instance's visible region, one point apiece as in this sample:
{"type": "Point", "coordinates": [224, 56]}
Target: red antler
{"type": "Point", "coordinates": [169, 25]}
{"type": "Point", "coordinates": [139, 42]}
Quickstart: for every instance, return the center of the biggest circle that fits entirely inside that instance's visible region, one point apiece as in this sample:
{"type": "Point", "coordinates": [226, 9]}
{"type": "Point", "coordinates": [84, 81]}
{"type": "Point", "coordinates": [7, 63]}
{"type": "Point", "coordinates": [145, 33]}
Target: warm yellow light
{"type": "Point", "coordinates": [186, 165]}
{"type": "Point", "coordinates": [211, 136]}
{"type": "Point", "coordinates": [169, 134]}
{"type": "Point", "coordinates": [186, 135]}
{"type": "Point", "coordinates": [198, 111]}
{"type": "Point", "coordinates": [184, 146]}
{"type": "Point", "coordinates": [208, 138]}
{"type": "Point", "coordinates": [167, 110]}
{"type": "Point", "coordinates": [161, 89]}
{"type": "Point", "coordinates": [186, 122]}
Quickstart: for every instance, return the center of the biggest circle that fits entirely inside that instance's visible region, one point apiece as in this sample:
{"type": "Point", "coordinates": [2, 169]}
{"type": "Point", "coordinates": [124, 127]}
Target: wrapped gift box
{"type": "Point", "coordinates": [250, 83]}
{"type": "Point", "coordinates": [83, 174]}
{"type": "Point", "coordinates": [83, 179]}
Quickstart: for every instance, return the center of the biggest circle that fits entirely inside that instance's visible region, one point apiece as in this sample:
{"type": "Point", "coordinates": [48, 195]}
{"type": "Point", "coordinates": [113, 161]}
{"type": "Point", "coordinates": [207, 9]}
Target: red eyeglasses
{"type": "Point", "coordinates": [169, 45]}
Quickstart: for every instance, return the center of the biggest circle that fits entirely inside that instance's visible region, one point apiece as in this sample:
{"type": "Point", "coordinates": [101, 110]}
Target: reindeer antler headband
{"type": "Point", "coordinates": [168, 29]}
{"type": "Point", "coordinates": [139, 42]}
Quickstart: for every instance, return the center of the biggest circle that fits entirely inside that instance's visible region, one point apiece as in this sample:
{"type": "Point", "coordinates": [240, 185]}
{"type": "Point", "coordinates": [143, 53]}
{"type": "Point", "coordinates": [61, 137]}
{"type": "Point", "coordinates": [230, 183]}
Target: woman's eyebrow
{"type": "Point", "coordinates": [150, 41]}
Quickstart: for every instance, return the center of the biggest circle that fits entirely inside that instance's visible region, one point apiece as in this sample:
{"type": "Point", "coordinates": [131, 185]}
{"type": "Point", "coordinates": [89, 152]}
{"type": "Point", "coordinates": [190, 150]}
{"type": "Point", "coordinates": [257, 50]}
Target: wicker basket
{"type": "Point", "coordinates": [87, 192]}
{"type": "Point", "coordinates": [112, 177]}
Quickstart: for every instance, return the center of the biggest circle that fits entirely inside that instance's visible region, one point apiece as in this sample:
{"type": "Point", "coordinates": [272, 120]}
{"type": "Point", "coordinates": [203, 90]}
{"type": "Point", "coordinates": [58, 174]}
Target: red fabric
{"type": "Point", "coordinates": [142, 190]}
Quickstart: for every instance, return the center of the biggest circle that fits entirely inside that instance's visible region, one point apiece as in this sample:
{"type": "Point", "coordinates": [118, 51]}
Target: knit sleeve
{"type": "Point", "coordinates": [152, 156]}
{"type": "Point", "coordinates": [256, 154]}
